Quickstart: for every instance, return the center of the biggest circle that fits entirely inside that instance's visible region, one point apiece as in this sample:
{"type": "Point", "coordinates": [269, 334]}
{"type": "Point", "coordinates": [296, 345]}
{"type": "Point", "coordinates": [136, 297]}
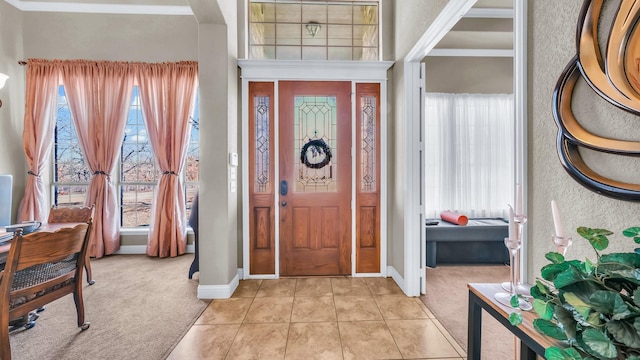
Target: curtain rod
{"type": "Point", "coordinates": [22, 62]}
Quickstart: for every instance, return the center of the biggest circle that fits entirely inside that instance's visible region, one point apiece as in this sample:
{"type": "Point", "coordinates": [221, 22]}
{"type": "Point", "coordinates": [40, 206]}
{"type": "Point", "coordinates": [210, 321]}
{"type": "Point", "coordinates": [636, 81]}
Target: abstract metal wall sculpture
{"type": "Point", "coordinates": [614, 76]}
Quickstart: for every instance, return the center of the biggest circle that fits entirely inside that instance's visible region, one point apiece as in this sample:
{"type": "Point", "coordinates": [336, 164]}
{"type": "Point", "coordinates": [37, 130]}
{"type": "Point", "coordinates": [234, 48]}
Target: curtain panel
{"type": "Point", "coordinates": [167, 96]}
{"type": "Point", "coordinates": [99, 95]}
{"type": "Point", "coordinates": [470, 154]}
{"type": "Point", "coordinates": [39, 124]}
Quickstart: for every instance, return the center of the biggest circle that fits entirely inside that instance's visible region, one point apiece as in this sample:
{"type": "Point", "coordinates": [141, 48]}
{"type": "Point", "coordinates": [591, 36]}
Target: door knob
{"type": "Point", "coordinates": [284, 203]}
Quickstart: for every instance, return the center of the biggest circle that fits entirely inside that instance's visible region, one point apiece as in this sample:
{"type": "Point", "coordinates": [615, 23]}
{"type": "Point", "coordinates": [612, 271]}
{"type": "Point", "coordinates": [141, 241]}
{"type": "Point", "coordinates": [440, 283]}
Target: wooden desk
{"type": "Point", "coordinates": [481, 296]}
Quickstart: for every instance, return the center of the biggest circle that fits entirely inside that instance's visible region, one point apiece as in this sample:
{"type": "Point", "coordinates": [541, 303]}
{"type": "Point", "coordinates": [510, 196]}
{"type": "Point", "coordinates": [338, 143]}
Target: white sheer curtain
{"type": "Point", "coordinates": [469, 161]}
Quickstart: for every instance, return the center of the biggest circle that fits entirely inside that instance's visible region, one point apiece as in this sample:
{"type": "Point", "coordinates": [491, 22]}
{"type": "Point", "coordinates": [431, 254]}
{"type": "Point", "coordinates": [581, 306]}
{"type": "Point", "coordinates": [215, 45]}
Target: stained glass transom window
{"type": "Point", "coordinates": [368, 135]}
{"type": "Point", "coordinates": [262, 144]}
{"type": "Point", "coordinates": [315, 124]}
{"type": "Point", "coordinates": [314, 30]}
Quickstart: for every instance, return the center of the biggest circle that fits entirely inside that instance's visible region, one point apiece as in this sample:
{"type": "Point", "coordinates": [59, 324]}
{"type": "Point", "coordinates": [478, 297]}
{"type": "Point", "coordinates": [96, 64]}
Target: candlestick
{"type": "Point", "coordinates": [557, 223]}
{"type": "Point", "coordinates": [519, 200]}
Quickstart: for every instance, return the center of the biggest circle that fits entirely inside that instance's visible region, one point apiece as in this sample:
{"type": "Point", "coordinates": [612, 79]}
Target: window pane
{"type": "Point", "coordinates": [314, 53]}
{"type": "Point", "coordinates": [365, 36]}
{"type": "Point", "coordinates": [66, 195]}
{"type": "Point", "coordinates": [262, 12]}
{"type": "Point", "coordinates": [69, 163]}
{"type": "Point", "coordinates": [339, 53]}
{"type": "Point", "coordinates": [340, 14]}
{"type": "Point", "coordinates": [309, 23]}
{"type": "Point", "coordinates": [288, 13]}
{"type": "Point", "coordinates": [288, 52]}
{"type": "Point", "coordinates": [368, 166]}
{"type": "Point", "coordinates": [365, 14]}
{"type": "Point", "coordinates": [315, 153]}
{"type": "Point", "coordinates": [262, 143]}
{"type": "Point", "coordinates": [339, 35]}
{"type": "Point", "coordinates": [288, 34]}
{"type": "Point", "coordinates": [136, 204]}
{"type": "Point", "coordinates": [262, 34]}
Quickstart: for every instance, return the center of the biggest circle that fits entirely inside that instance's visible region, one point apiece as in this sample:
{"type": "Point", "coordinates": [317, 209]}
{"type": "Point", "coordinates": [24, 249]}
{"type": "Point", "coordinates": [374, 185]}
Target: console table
{"type": "Point", "coordinates": [481, 296]}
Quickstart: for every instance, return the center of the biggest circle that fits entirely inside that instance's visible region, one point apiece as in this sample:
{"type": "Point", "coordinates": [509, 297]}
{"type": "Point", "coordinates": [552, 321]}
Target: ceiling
{"type": "Point", "coordinates": [486, 30]}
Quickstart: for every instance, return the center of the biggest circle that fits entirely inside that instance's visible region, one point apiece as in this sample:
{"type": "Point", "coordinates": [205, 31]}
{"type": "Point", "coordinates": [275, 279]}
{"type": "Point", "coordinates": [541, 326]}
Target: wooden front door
{"type": "Point", "coordinates": [315, 178]}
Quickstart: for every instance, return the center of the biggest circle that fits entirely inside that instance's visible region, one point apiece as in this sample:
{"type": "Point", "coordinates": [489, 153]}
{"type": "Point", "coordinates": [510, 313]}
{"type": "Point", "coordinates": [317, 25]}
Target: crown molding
{"type": "Point", "coordinates": [100, 8]}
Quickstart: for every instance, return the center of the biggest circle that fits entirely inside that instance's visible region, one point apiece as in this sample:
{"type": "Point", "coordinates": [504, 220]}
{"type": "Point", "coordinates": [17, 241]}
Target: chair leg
{"type": "Point", "coordinates": [77, 298]}
{"type": "Point", "coordinates": [5, 345]}
{"type": "Point", "coordinates": [87, 268]}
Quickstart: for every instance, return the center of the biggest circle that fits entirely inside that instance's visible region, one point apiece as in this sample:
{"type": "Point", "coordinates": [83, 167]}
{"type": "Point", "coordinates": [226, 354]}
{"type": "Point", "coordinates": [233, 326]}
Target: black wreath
{"type": "Point", "coordinates": [318, 147]}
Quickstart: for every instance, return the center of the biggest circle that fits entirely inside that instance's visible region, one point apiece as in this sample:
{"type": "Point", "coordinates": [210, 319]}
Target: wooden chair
{"type": "Point", "coordinates": [42, 267]}
{"type": "Point", "coordinates": [74, 215]}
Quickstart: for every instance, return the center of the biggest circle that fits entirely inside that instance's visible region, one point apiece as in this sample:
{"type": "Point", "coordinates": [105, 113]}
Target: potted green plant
{"type": "Point", "coordinates": [593, 307]}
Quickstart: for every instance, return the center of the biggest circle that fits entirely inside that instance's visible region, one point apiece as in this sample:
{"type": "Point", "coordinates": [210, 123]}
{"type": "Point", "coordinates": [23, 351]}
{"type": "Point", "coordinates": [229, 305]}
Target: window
{"type": "Point", "coordinates": [138, 172]}
{"type": "Point", "coordinates": [314, 30]}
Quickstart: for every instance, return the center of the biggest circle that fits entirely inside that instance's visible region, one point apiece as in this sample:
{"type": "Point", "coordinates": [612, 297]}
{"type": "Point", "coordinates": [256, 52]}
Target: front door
{"type": "Point", "coordinates": [315, 178]}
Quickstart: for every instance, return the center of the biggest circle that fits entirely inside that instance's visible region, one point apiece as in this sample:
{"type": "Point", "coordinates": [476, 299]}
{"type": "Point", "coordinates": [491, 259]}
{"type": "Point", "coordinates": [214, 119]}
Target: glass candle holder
{"type": "Point", "coordinates": [562, 243]}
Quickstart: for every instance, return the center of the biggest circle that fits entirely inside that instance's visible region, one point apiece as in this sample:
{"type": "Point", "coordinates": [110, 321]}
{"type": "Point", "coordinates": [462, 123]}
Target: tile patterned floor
{"type": "Point", "coordinates": [318, 318]}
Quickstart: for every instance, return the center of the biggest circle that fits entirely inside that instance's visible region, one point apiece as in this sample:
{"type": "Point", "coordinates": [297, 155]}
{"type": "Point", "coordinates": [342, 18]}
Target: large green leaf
{"type": "Point", "coordinates": [543, 308]}
{"type": "Point", "coordinates": [599, 343]}
{"type": "Point", "coordinates": [549, 272]}
{"type": "Point", "coordinates": [610, 303]}
{"type": "Point", "coordinates": [549, 328]}
{"type": "Point", "coordinates": [632, 232]}
{"type": "Point", "coordinates": [567, 277]}
{"type": "Point", "coordinates": [565, 317]}
{"type": "Point", "coordinates": [628, 259]}
{"type": "Point", "coordinates": [625, 332]}
{"type": "Point", "coordinates": [540, 291]}
{"type": "Point", "coordinates": [555, 353]}
{"type": "Point", "coordinates": [573, 354]}
{"type": "Point", "coordinates": [554, 257]}
{"type": "Point", "coordinates": [629, 275]}
{"type": "Point", "coordinates": [636, 297]}
{"type": "Point", "coordinates": [580, 306]}
{"type": "Point", "coordinates": [597, 237]}
{"type": "Point", "coordinates": [594, 319]}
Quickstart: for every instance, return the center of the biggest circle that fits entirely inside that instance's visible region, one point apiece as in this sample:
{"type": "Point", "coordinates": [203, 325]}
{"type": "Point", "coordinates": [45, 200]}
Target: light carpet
{"type": "Point", "coordinates": [447, 297]}
{"type": "Point", "coordinates": [139, 308]}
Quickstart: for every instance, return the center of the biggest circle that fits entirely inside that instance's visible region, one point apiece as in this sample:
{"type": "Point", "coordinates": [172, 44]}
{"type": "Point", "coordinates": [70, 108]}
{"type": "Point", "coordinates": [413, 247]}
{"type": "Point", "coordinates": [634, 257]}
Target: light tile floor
{"type": "Point", "coordinates": [318, 318]}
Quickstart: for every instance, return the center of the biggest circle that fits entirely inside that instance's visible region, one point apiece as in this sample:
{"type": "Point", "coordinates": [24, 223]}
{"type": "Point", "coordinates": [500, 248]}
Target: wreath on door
{"type": "Point", "coordinates": [315, 154]}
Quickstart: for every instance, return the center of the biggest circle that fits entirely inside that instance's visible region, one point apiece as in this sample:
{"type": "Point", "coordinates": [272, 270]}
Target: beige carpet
{"type": "Point", "coordinates": [139, 308]}
{"type": "Point", "coordinates": [447, 297]}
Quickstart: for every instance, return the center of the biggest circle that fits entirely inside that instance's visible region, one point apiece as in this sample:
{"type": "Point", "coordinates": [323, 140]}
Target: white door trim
{"type": "Point", "coordinates": [271, 70]}
{"type": "Point", "coordinates": [413, 211]}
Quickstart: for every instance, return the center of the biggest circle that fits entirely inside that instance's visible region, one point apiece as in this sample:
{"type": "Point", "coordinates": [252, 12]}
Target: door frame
{"type": "Point", "coordinates": [274, 71]}
{"type": "Point", "coordinates": [414, 281]}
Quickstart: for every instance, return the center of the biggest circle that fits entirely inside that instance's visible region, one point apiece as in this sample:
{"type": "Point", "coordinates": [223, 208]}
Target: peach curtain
{"type": "Point", "coordinates": [39, 126]}
{"type": "Point", "coordinates": [99, 96]}
{"type": "Point", "coordinates": [167, 96]}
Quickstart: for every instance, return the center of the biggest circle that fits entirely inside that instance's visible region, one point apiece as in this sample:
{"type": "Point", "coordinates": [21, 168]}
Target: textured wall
{"type": "Point", "coordinates": [551, 44]}
{"type": "Point", "coordinates": [478, 75]}
{"type": "Point", "coordinates": [150, 38]}
{"type": "Point", "coordinates": [12, 158]}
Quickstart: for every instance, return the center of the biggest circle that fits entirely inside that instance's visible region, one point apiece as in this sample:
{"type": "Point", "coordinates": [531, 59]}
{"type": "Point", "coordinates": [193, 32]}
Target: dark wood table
{"type": "Point", "coordinates": [481, 297]}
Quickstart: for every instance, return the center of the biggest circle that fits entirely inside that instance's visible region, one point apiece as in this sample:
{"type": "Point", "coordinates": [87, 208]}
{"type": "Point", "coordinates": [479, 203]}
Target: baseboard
{"type": "Point", "coordinates": [209, 292]}
{"type": "Point", "coordinates": [142, 249]}
{"type": "Point", "coordinates": [391, 271]}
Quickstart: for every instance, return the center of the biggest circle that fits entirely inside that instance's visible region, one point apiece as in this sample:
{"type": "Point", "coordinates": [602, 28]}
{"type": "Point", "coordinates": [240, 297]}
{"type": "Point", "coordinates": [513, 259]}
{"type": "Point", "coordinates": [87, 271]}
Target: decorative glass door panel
{"type": "Point", "coordinates": [315, 178]}
{"type": "Point", "coordinates": [315, 122]}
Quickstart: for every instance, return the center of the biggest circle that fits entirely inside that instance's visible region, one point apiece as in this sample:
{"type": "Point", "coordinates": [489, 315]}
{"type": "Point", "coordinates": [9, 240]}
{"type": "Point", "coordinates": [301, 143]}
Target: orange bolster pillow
{"type": "Point", "coordinates": [454, 218]}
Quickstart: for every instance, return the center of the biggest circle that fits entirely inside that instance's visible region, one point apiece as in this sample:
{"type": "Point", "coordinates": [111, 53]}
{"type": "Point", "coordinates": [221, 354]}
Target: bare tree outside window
{"type": "Point", "coordinates": [138, 169]}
